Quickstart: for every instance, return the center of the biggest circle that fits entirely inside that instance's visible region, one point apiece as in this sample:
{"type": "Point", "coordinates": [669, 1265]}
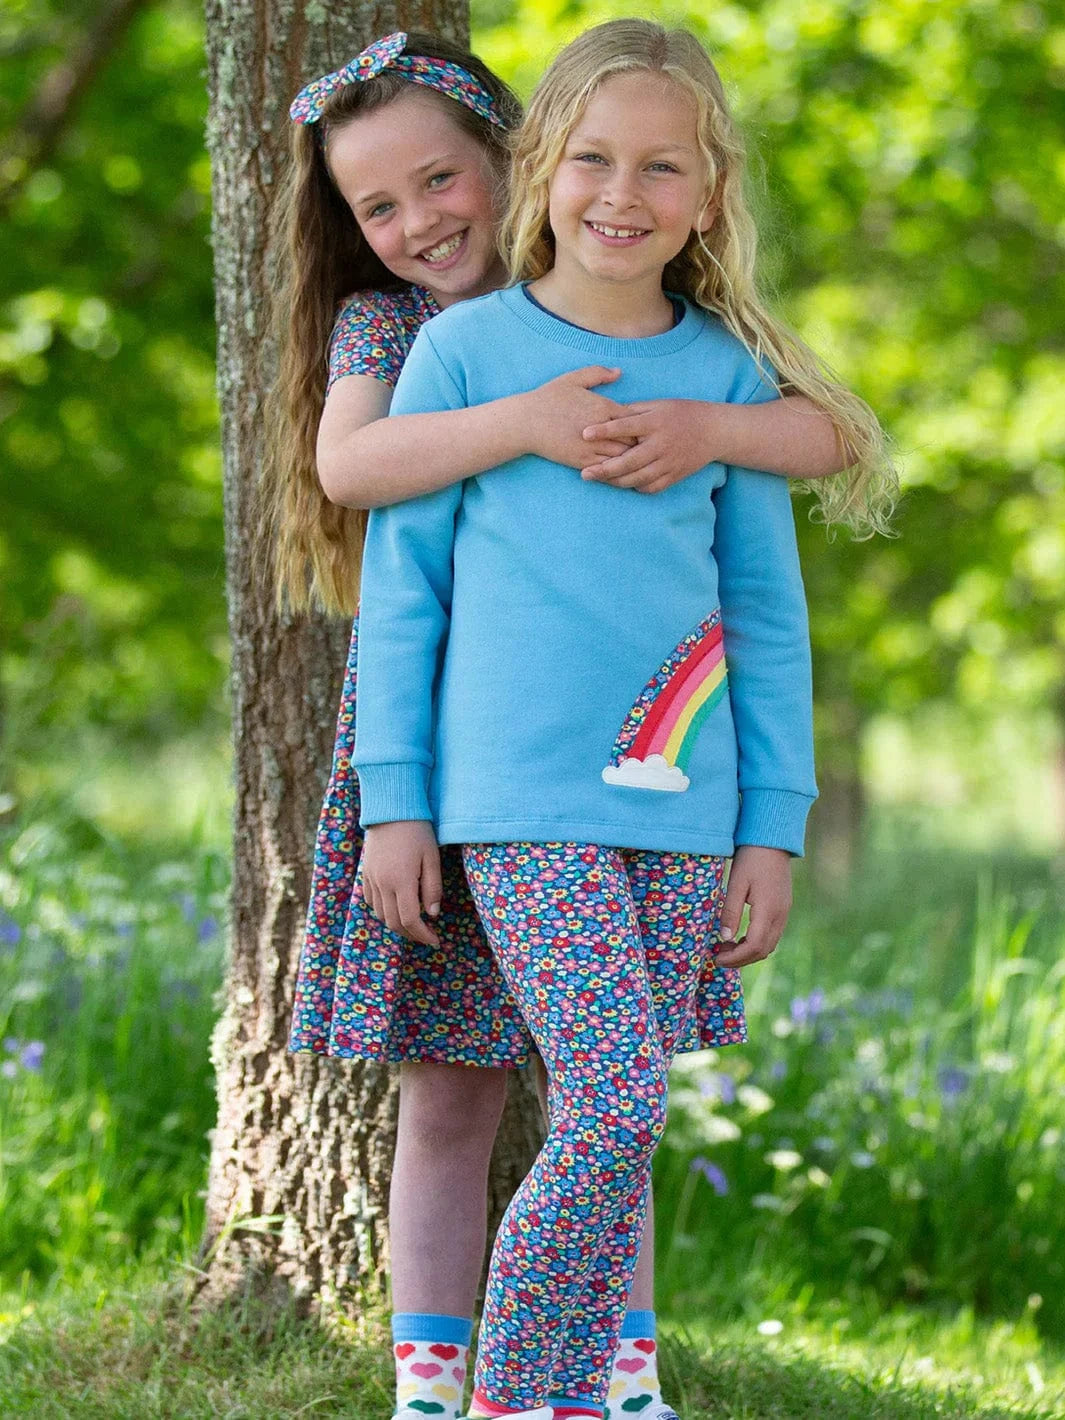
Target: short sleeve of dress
{"type": "Point", "coordinates": [374, 332]}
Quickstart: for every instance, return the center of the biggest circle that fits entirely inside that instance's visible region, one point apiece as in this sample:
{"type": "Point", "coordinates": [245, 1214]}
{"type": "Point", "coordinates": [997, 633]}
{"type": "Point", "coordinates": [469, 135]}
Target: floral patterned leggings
{"type": "Point", "coordinates": [602, 948]}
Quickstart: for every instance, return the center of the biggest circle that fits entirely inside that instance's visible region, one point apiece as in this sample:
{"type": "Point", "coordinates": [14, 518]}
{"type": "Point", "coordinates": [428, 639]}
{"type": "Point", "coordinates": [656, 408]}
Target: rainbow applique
{"type": "Point", "coordinates": [655, 741]}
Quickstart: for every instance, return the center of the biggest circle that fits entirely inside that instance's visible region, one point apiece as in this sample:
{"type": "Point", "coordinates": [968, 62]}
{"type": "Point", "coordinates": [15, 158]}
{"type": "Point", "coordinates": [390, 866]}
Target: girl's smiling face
{"type": "Point", "coordinates": [630, 187]}
{"type": "Point", "coordinates": [421, 189]}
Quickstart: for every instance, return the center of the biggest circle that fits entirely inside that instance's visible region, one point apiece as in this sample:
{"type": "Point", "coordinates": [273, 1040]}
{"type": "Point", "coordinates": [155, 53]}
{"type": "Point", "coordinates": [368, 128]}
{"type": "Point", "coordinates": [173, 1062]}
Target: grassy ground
{"type": "Point", "coordinates": [879, 1172]}
{"type": "Point", "coordinates": [132, 1353]}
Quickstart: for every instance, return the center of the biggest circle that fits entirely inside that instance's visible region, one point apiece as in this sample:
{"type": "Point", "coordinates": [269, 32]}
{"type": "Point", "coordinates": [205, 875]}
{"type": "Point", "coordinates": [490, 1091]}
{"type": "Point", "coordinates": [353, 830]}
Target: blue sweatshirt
{"type": "Point", "coordinates": [542, 658]}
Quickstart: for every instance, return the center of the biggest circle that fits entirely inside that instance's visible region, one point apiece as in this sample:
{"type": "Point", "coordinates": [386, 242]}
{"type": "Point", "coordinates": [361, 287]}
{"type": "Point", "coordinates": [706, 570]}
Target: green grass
{"type": "Point", "coordinates": [135, 1352]}
{"type": "Point", "coordinates": [880, 1170]}
{"type": "Point", "coordinates": [110, 960]}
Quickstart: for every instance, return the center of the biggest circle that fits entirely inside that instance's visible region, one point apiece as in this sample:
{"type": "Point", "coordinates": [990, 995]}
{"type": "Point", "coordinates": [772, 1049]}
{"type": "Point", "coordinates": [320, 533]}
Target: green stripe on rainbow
{"type": "Point", "coordinates": [655, 742]}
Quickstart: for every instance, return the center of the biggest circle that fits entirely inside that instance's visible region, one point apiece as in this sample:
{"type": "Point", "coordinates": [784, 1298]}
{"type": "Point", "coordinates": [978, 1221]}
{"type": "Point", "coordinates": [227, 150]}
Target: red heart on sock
{"type": "Point", "coordinates": [446, 1353]}
{"type": "Point", "coordinates": [630, 1365]}
{"type": "Point", "coordinates": [405, 1350]}
{"type": "Point", "coordinates": [645, 1346]}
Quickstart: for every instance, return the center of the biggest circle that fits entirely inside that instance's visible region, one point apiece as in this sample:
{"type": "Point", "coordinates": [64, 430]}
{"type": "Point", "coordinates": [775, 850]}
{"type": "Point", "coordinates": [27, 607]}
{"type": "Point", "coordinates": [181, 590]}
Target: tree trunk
{"type": "Point", "coordinates": [301, 1155]}
{"type": "Point", "coordinates": [838, 817]}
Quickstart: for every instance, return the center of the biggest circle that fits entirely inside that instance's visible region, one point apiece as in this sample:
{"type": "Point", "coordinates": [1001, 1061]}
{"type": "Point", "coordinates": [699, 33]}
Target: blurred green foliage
{"type": "Point", "coordinates": [908, 171]}
{"type": "Point", "coordinates": [110, 538]}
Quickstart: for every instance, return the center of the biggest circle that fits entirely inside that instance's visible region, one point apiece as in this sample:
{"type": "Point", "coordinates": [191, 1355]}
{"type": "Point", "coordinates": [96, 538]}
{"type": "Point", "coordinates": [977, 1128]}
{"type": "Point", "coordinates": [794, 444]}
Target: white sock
{"type": "Point", "coordinates": [635, 1393]}
{"type": "Point", "coordinates": [430, 1355]}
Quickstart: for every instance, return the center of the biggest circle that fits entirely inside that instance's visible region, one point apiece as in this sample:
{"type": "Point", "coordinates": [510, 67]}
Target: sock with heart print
{"type": "Point", "coordinates": [430, 1353]}
{"type": "Point", "coordinates": [634, 1390]}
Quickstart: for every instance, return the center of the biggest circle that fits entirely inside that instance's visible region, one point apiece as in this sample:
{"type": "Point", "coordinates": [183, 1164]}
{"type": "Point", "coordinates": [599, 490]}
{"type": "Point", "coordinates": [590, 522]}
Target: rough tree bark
{"type": "Point", "coordinates": [301, 1154]}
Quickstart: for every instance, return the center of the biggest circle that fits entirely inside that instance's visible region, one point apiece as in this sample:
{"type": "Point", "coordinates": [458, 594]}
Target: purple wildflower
{"type": "Point", "coordinates": [952, 1081]}
{"type": "Point", "coordinates": [33, 1055]}
{"type": "Point", "coordinates": [207, 929]}
{"type": "Point", "coordinates": [778, 1070]}
{"type": "Point", "coordinates": [11, 1044]}
{"type": "Point", "coordinates": [187, 903]}
{"type": "Point", "coordinates": [10, 931]}
{"type": "Point", "coordinates": [713, 1175]}
{"type": "Point", "coordinates": [123, 929]}
{"type": "Point", "coordinates": [726, 1088]}
{"type": "Point", "coordinates": [808, 1008]}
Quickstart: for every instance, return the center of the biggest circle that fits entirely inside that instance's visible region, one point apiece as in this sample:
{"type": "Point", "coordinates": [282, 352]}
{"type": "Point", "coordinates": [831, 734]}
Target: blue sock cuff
{"type": "Point", "coordinates": [576, 1400]}
{"type": "Point", "coordinates": [429, 1326]}
{"type": "Point", "coordinates": [637, 1324]}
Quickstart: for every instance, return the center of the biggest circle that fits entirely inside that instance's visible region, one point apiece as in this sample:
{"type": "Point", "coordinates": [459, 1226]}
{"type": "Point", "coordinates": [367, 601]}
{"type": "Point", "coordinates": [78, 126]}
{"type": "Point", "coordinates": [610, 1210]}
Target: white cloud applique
{"type": "Point", "coordinates": [654, 772]}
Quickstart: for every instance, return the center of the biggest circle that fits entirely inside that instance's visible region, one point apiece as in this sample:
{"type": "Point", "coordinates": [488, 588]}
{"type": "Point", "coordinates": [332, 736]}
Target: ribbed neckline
{"type": "Point", "coordinates": [604, 347]}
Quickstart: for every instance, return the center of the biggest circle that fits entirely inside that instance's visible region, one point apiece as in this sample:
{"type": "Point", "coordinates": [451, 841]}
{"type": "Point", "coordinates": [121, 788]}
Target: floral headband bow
{"type": "Point", "coordinates": [440, 74]}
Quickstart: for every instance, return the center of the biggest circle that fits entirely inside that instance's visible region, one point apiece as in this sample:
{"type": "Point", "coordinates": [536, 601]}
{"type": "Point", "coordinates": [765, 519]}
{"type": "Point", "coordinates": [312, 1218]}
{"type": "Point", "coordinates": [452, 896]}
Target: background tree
{"type": "Point", "coordinates": [301, 1155]}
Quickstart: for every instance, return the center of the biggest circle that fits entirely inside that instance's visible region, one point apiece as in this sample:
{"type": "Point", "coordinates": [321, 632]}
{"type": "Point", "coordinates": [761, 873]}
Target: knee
{"type": "Point", "coordinates": [627, 1130]}
{"type": "Point", "coordinates": [451, 1108]}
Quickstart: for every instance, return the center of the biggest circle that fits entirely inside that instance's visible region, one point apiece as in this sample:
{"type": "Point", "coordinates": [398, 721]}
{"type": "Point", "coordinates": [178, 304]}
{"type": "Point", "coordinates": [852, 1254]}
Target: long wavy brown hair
{"type": "Point", "coordinates": [316, 546]}
{"type": "Point", "coordinates": [716, 269]}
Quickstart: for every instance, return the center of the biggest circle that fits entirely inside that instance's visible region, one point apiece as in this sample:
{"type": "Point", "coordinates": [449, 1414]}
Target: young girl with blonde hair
{"type": "Point", "coordinates": [600, 697]}
{"type": "Point", "coordinates": [391, 216]}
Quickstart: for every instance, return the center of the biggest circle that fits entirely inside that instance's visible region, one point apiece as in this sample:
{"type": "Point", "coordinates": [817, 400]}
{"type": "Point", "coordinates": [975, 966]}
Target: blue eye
{"type": "Point", "coordinates": [440, 178]}
{"type": "Point", "coordinates": [380, 209]}
{"type": "Point", "coordinates": [589, 158]}
{"type": "Point", "coordinates": [663, 167]}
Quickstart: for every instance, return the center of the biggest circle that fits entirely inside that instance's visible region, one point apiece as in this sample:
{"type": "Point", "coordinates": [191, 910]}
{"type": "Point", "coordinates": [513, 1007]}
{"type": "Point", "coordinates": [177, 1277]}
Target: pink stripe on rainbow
{"type": "Point", "coordinates": [679, 691]}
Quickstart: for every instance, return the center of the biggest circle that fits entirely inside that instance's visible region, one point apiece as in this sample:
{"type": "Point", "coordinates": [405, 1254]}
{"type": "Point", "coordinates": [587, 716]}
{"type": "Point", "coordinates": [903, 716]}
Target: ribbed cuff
{"type": "Point", "coordinates": [430, 1326]}
{"type": "Point", "coordinates": [393, 792]}
{"type": "Point", "coordinates": [773, 818]}
{"type": "Point", "coordinates": [638, 1324]}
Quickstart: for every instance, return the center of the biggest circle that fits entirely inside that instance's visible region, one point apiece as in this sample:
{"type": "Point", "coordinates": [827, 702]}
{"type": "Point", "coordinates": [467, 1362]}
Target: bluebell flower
{"type": "Point", "coordinates": [124, 929]}
{"type": "Point", "coordinates": [207, 929]}
{"type": "Point", "coordinates": [33, 1055]}
{"type": "Point", "coordinates": [713, 1175]}
{"type": "Point", "coordinates": [808, 1008]}
{"type": "Point", "coordinates": [952, 1081]}
{"type": "Point", "coordinates": [187, 903]}
{"type": "Point", "coordinates": [10, 931]}
{"type": "Point", "coordinates": [11, 1044]}
{"type": "Point", "coordinates": [726, 1087]}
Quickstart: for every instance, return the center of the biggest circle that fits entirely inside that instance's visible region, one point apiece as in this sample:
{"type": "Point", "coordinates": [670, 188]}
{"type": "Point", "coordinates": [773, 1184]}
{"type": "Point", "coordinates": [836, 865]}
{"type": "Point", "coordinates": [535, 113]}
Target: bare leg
{"type": "Point", "coordinates": [642, 1296]}
{"type": "Point", "coordinates": [448, 1118]}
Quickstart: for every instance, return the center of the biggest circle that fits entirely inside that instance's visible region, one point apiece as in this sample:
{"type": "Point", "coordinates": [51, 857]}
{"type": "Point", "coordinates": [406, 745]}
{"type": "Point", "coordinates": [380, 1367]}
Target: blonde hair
{"type": "Point", "coordinates": [316, 545]}
{"type": "Point", "coordinates": [716, 269]}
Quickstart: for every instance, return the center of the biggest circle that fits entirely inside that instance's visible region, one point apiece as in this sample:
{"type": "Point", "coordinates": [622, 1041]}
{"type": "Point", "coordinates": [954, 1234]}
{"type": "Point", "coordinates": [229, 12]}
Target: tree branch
{"type": "Point", "coordinates": [35, 135]}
